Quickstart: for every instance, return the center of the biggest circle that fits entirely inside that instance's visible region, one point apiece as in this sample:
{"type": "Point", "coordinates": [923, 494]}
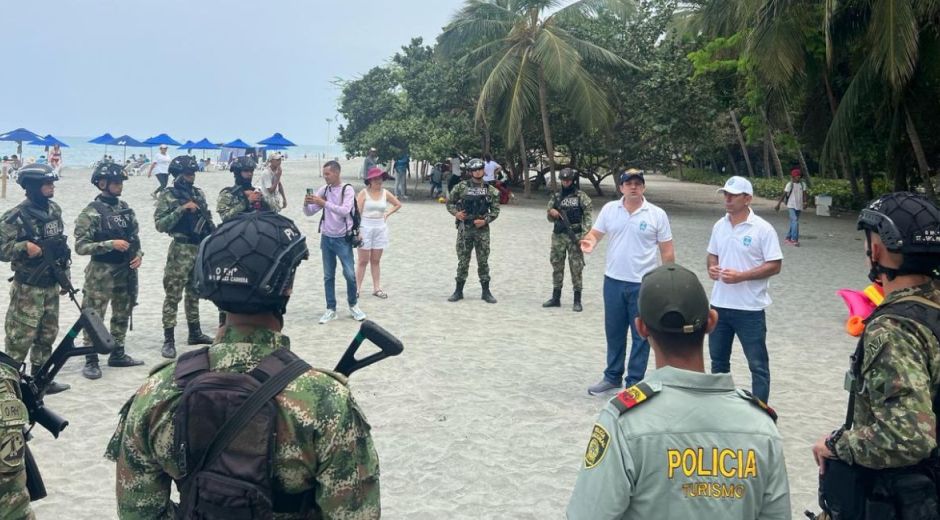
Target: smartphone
{"type": "Point", "coordinates": [311, 191]}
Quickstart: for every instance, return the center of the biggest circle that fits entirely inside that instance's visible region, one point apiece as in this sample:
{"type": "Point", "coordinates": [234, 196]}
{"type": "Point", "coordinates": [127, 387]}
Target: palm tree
{"type": "Point", "coordinates": [520, 53]}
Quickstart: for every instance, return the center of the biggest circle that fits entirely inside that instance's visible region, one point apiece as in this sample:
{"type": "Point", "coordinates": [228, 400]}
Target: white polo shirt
{"type": "Point", "coordinates": [634, 238]}
{"type": "Point", "coordinates": [162, 162]}
{"type": "Point", "coordinates": [742, 248]}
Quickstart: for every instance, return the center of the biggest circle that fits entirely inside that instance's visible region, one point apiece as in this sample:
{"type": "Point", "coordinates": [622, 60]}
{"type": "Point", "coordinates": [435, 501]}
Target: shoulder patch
{"type": "Point", "coordinates": [748, 396]}
{"type": "Point", "coordinates": [632, 396]}
{"type": "Point", "coordinates": [596, 447]}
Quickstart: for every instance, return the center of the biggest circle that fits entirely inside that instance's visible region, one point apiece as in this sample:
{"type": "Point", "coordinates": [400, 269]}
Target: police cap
{"type": "Point", "coordinates": [672, 299]}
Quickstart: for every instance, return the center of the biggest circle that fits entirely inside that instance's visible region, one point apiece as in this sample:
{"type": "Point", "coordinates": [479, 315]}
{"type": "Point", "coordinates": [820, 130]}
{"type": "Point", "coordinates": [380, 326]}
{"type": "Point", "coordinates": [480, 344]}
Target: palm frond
{"type": "Point", "coordinates": [483, 52]}
{"type": "Point", "coordinates": [587, 101]}
{"type": "Point", "coordinates": [590, 52]}
{"type": "Point", "coordinates": [476, 22]}
{"type": "Point", "coordinates": [893, 37]}
{"type": "Point", "coordinates": [839, 136]}
{"type": "Point", "coordinates": [623, 9]}
{"type": "Point", "coordinates": [554, 54]}
{"type": "Point", "coordinates": [776, 43]}
{"type": "Point", "coordinates": [522, 98]}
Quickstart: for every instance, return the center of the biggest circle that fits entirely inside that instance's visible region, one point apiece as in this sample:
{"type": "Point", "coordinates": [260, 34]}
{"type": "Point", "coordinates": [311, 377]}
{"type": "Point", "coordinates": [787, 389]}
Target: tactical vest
{"type": "Point", "coordinates": [47, 231]}
{"type": "Point", "coordinates": [238, 192]}
{"type": "Point", "coordinates": [116, 224]}
{"type": "Point", "coordinates": [476, 201]}
{"type": "Point", "coordinates": [192, 227]}
{"type": "Point", "coordinates": [224, 436]}
{"type": "Point", "coordinates": [571, 207]}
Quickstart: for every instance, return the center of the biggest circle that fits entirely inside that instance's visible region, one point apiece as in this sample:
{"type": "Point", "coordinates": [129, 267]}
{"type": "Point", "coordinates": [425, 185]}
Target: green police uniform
{"type": "Point", "coordinates": [577, 207]}
{"type": "Point", "coordinates": [683, 445]}
{"type": "Point", "coordinates": [14, 499]}
{"type": "Point", "coordinates": [479, 201]}
{"type": "Point", "coordinates": [187, 229]}
{"type": "Point", "coordinates": [322, 438]}
{"type": "Point", "coordinates": [894, 421]}
{"type": "Point", "coordinates": [233, 201]}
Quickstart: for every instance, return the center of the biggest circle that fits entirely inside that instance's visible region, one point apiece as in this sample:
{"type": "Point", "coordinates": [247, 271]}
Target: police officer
{"type": "Point", "coordinates": [681, 444]}
{"type": "Point", "coordinates": [323, 456]}
{"type": "Point", "coordinates": [895, 371]}
{"type": "Point", "coordinates": [182, 212]}
{"type": "Point", "coordinates": [474, 204]}
{"type": "Point", "coordinates": [107, 230]}
{"type": "Point", "coordinates": [242, 197]}
{"type": "Point", "coordinates": [570, 211]}
{"type": "Point", "coordinates": [14, 498]}
{"type": "Point", "coordinates": [32, 320]}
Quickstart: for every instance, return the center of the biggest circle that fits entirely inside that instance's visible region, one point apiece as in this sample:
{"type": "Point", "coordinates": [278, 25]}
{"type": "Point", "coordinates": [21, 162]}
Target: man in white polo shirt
{"type": "Point", "coordinates": [639, 235]}
{"type": "Point", "coordinates": [743, 253]}
{"type": "Point", "coordinates": [161, 162]}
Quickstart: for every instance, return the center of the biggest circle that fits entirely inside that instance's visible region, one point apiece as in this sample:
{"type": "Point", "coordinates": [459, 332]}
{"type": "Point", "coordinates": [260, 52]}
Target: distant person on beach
{"type": "Point", "coordinates": [306, 453]}
{"type": "Point", "coordinates": [640, 236]}
{"type": "Point", "coordinates": [570, 212]}
{"type": "Point", "coordinates": [795, 197]}
{"type": "Point", "coordinates": [375, 204]}
{"type": "Point", "coordinates": [435, 178]}
{"type": "Point", "coordinates": [681, 443]}
{"type": "Point", "coordinates": [55, 157]}
{"type": "Point", "coordinates": [402, 169]}
{"type": "Point", "coordinates": [475, 205]}
{"type": "Point", "coordinates": [490, 169]}
{"type": "Point", "coordinates": [743, 253]}
{"type": "Point", "coordinates": [271, 185]}
{"type": "Point", "coordinates": [336, 201]}
{"type": "Point", "coordinates": [161, 163]}
{"type": "Point", "coordinates": [889, 440]}
{"type": "Point", "coordinates": [370, 162]}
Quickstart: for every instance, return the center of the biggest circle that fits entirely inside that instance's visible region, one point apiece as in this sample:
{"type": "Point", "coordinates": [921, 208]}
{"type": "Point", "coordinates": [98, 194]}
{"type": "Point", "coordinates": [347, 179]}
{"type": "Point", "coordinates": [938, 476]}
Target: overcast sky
{"type": "Point", "coordinates": [193, 68]}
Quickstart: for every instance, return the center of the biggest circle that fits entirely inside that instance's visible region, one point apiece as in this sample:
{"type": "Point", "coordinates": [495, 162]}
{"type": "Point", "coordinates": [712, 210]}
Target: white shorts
{"type": "Point", "coordinates": [374, 233]}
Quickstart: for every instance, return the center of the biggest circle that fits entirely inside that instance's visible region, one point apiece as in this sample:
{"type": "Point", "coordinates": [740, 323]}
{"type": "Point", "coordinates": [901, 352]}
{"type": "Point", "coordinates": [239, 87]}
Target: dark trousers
{"type": "Point", "coordinates": [751, 329]}
{"type": "Point", "coordinates": [162, 177]}
{"type": "Point", "coordinates": [620, 311]}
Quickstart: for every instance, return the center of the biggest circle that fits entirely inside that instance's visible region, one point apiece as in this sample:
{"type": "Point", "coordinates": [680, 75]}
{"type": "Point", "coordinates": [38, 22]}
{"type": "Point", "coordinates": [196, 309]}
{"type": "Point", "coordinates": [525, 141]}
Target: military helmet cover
{"type": "Point", "coordinates": [108, 170]}
{"type": "Point", "coordinates": [36, 173]}
{"type": "Point", "coordinates": [475, 164]}
{"type": "Point", "coordinates": [183, 165]}
{"type": "Point", "coordinates": [242, 164]}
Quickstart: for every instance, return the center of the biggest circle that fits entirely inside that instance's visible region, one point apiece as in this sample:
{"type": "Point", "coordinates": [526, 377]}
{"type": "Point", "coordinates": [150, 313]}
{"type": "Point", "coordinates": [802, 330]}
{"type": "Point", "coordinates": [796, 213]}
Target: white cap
{"type": "Point", "coordinates": [737, 185]}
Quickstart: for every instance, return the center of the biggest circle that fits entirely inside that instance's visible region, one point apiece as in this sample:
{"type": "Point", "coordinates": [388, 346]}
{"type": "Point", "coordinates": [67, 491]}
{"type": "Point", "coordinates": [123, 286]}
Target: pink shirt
{"type": "Point", "coordinates": [336, 220]}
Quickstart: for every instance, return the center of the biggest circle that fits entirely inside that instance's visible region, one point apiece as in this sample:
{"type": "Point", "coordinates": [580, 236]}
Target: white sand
{"type": "Point", "coordinates": [485, 415]}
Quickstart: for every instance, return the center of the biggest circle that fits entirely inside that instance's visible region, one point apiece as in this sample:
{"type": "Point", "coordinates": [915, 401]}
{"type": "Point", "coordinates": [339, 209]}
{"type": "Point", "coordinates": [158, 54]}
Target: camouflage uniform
{"type": "Point", "coordinates": [322, 442]}
{"type": "Point", "coordinates": [32, 320]}
{"type": "Point", "coordinates": [232, 202]}
{"type": "Point", "coordinates": [469, 237]}
{"type": "Point", "coordinates": [14, 499]}
{"type": "Point", "coordinates": [171, 218]}
{"type": "Point", "coordinates": [577, 204]}
{"type": "Point", "coordinates": [106, 275]}
{"type": "Point", "coordinates": [894, 422]}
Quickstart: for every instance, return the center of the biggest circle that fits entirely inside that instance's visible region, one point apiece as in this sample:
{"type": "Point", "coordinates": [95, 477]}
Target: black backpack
{"type": "Point", "coordinates": [224, 436]}
{"type": "Point", "coordinates": [352, 234]}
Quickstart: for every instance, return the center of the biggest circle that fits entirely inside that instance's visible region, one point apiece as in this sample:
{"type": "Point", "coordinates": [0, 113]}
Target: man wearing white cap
{"type": "Point", "coordinates": [271, 187]}
{"type": "Point", "coordinates": [161, 162]}
{"type": "Point", "coordinates": [743, 253]}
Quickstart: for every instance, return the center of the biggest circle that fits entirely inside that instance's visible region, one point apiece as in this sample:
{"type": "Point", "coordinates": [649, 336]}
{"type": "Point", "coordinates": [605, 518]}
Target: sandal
{"type": "Point", "coordinates": [380, 294]}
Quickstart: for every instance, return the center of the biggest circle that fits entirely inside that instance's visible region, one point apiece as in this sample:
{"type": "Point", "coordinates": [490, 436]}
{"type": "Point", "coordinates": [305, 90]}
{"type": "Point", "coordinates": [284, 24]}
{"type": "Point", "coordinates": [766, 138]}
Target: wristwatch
{"type": "Point", "coordinates": [831, 441]}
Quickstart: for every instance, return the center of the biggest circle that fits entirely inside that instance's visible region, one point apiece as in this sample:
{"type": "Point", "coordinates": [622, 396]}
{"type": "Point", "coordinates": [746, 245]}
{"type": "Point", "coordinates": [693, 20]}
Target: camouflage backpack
{"type": "Point", "coordinates": [224, 436]}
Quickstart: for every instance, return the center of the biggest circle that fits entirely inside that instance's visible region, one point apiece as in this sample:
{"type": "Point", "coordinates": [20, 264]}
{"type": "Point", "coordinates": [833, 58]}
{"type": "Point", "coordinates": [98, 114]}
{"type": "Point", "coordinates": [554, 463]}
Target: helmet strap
{"type": "Point", "coordinates": [34, 194]}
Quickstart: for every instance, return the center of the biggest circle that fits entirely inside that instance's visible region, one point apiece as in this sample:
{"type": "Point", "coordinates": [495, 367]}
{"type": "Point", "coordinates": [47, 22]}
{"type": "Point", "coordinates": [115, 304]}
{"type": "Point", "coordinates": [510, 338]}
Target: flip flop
{"type": "Point", "coordinates": [380, 294]}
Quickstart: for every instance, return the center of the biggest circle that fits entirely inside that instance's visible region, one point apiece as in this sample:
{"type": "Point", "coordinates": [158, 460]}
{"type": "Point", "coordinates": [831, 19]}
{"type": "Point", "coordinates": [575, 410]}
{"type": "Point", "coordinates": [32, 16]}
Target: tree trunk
{"type": "Point", "coordinates": [867, 181]}
{"type": "Point", "coordinates": [766, 158]}
{"type": "Point", "coordinates": [919, 154]}
{"type": "Point", "coordinates": [732, 161]}
{"type": "Point", "coordinates": [486, 137]}
{"type": "Point", "coordinates": [737, 129]}
{"type": "Point", "coordinates": [543, 107]}
{"type": "Point", "coordinates": [799, 149]}
{"type": "Point", "coordinates": [773, 154]}
{"type": "Point", "coordinates": [527, 188]}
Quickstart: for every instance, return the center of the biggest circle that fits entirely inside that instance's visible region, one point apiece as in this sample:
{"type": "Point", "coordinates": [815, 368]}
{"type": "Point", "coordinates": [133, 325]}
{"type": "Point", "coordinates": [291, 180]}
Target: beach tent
{"type": "Point", "coordinates": [188, 145]}
{"type": "Point", "coordinates": [125, 141]}
{"type": "Point", "coordinates": [19, 135]}
{"type": "Point", "coordinates": [276, 140]}
{"type": "Point", "coordinates": [204, 144]}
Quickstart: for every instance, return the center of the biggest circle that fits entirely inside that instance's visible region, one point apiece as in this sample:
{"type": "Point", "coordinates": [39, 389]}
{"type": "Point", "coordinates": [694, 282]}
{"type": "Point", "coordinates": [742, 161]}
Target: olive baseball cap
{"type": "Point", "coordinates": [673, 300]}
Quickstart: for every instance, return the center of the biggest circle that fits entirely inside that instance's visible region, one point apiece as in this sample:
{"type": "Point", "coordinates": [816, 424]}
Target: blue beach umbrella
{"type": "Point", "coordinates": [125, 141]}
{"type": "Point", "coordinates": [188, 145]}
{"type": "Point", "coordinates": [19, 135]}
{"type": "Point", "coordinates": [161, 139]}
{"type": "Point", "coordinates": [238, 143]}
{"type": "Point", "coordinates": [53, 141]}
{"type": "Point", "coordinates": [204, 144]}
{"type": "Point", "coordinates": [276, 140]}
{"type": "Point", "coordinates": [104, 139]}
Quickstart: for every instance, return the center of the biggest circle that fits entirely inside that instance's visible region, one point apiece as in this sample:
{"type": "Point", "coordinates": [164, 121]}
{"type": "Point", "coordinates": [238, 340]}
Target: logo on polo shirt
{"type": "Point", "coordinates": [643, 226]}
{"type": "Point", "coordinates": [747, 240]}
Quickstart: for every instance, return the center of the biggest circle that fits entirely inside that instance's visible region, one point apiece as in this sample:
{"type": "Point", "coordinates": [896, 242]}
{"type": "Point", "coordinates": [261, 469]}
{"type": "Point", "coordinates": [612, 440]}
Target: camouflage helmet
{"type": "Point", "coordinates": [567, 174]}
{"type": "Point", "coordinates": [183, 165]}
{"type": "Point", "coordinates": [108, 170]}
{"type": "Point", "coordinates": [242, 164]}
{"type": "Point", "coordinates": [908, 224]}
{"type": "Point", "coordinates": [474, 164]}
{"type": "Point", "coordinates": [35, 175]}
{"type": "Point", "coordinates": [247, 265]}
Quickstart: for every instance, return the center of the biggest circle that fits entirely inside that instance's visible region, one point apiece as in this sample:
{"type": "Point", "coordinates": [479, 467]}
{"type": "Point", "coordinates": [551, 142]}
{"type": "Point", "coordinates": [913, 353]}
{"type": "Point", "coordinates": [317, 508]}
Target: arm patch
{"type": "Point", "coordinates": [632, 396]}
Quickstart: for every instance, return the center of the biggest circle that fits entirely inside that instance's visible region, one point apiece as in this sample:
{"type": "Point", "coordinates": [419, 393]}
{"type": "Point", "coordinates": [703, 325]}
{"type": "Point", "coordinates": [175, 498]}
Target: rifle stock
{"type": "Point", "coordinates": [388, 345]}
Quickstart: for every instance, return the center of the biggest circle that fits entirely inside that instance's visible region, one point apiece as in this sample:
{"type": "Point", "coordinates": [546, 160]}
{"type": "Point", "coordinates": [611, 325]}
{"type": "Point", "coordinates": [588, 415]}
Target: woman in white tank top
{"type": "Point", "coordinates": [375, 204]}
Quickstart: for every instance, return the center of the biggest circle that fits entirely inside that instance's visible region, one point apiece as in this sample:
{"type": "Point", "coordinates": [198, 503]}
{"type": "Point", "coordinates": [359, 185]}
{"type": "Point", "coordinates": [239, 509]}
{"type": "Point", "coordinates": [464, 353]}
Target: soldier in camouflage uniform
{"type": "Point", "coordinates": [107, 230]}
{"type": "Point", "coordinates": [576, 206]}
{"type": "Point", "coordinates": [895, 374]}
{"type": "Point", "coordinates": [323, 449]}
{"type": "Point", "coordinates": [242, 197]}
{"type": "Point", "coordinates": [14, 498]}
{"type": "Point", "coordinates": [474, 204]}
{"type": "Point", "coordinates": [183, 213]}
{"type": "Point", "coordinates": [32, 321]}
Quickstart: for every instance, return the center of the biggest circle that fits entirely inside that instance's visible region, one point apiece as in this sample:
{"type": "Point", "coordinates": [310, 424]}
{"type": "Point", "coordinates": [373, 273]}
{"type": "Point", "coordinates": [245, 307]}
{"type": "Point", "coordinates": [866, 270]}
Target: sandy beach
{"type": "Point", "coordinates": [485, 415]}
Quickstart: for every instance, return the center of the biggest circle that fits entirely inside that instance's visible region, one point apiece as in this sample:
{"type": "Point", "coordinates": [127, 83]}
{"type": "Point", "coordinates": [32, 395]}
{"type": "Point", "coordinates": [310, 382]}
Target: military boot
{"type": "Point", "coordinates": [52, 387]}
{"type": "Point", "coordinates": [91, 369]}
{"type": "Point", "coordinates": [487, 296]}
{"type": "Point", "coordinates": [555, 300]}
{"type": "Point", "coordinates": [120, 359]}
{"type": "Point", "coordinates": [196, 337]}
{"type": "Point", "coordinates": [577, 301]}
{"type": "Point", "coordinates": [458, 293]}
{"type": "Point", "coordinates": [169, 343]}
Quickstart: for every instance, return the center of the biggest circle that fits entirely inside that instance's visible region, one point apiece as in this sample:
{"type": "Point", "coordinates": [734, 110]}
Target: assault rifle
{"type": "Point", "coordinates": [565, 223]}
{"type": "Point", "coordinates": [133, 283]}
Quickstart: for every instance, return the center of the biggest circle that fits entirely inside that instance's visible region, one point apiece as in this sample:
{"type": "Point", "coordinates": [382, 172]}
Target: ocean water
{"type": "Point", "coordinates": [81, 153]}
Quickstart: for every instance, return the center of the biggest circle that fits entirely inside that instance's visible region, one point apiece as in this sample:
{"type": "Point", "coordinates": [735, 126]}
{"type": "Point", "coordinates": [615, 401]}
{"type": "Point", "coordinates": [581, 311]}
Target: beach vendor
{"type": "Point", "coordinates": [681, 443]}
{"type": "Point", "coordinates": [888, 444]}
{"type": "Point", "coordinates": [569, 210]}
{"type": "Point", "coordinates": [475, 205]}
{"type": "Point", "coordinates": [308, 448]}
